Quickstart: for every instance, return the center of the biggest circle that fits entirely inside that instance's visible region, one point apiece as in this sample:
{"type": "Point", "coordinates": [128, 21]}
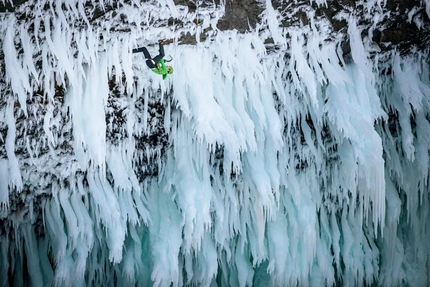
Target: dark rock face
{"type": "Point", "coordinates": [403, 24]}
{"type": "Point", "coordinates": [407, 27]}
{"type": "Point", "coordinates": [9, 6]}
{"type": "Point", "coordinates": [241, 15]}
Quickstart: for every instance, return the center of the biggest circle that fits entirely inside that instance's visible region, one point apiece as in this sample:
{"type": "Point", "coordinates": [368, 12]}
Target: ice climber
{"type": "Point", "coordinates": [157, 64]}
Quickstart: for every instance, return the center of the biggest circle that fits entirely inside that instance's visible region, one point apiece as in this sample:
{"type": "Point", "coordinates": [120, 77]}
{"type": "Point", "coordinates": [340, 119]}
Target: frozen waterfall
{"type": "Point", "coordinates": [266, 159]}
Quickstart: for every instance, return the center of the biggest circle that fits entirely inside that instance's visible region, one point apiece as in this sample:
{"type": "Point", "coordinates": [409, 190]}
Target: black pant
{"type": "Point", "coordinates": [151, 62]}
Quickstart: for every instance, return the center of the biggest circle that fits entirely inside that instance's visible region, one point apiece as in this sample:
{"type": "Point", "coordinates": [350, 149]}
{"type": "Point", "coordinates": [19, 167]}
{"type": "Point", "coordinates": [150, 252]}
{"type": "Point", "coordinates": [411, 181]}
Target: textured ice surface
{"type": "Point", "coordinates": [288, 167]}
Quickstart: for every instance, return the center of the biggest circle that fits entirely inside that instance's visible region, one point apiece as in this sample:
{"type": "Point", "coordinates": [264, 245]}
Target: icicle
{"type": "Point", "coordinates": [15, 73]}
{"type": "Point", "coordinates": [304, 79]}
{"type": "Point", "coordinates": [110, 215]}
{"type": "Point", "coordinates": [28, 54]}
{"type": "Point", "coordinates": [33, 261]}
{"type": "Point", "coordinates": [4, 188]}
{"type": "Point", "coordinates": [273, 23]}
{"type": "Point", "coordinates": [15, 179]}
{"type": "Point", "coordinates": [165, 239]}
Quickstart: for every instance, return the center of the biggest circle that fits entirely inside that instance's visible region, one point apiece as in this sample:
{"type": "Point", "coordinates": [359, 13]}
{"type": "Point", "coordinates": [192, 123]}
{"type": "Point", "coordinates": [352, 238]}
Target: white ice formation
{"type": "Point", "coordinates": [253, 164]}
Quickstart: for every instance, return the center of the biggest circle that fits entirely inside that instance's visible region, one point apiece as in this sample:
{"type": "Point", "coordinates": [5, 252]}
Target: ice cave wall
{"type": "Point", "coordinates": [293, 151]}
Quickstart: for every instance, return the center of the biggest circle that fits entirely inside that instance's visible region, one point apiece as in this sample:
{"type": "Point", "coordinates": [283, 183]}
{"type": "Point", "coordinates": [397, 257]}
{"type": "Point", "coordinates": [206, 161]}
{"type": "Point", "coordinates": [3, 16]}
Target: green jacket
{"type": "Point", "coordinates": [161, 69]}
